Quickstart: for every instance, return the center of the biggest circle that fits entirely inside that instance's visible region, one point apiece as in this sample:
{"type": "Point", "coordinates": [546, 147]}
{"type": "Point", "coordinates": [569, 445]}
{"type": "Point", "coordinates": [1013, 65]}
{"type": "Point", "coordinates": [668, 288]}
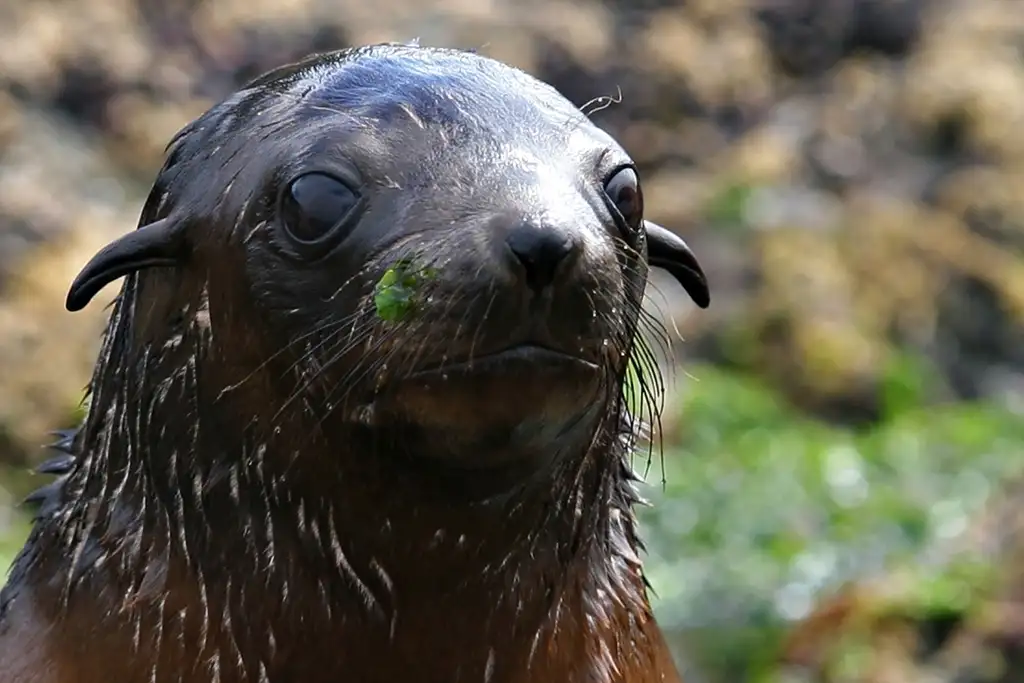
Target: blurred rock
{"type": "Point", "coordinates": [60, 201]}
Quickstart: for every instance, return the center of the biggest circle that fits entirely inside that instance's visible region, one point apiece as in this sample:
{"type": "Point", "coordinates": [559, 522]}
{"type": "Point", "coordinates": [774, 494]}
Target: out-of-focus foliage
{"type": "Point", "coordinates": [13, 528]}
{"type": "Point", "coordinates": [763, 509]}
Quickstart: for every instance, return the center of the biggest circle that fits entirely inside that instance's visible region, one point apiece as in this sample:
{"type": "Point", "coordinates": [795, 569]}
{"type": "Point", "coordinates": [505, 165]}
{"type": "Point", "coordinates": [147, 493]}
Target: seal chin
{"type": "Point", "coordinates": [500, 399]}
{"type": "Point", "coordinates": [522, 359]}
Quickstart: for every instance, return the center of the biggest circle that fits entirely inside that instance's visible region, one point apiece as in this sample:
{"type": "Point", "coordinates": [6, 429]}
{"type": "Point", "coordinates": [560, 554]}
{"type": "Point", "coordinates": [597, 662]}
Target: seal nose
{"type": "Point", "coordinates": [542, 252]}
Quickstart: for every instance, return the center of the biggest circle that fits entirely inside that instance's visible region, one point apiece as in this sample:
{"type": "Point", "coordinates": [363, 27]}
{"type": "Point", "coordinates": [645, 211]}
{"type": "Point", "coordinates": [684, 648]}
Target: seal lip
{"type": "Point", "coordinates": [517, 358]}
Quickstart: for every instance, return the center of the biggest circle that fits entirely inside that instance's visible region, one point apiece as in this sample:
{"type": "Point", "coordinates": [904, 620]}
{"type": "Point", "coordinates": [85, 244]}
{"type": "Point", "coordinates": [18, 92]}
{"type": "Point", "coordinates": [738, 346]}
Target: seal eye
{"type": "Point", "coordinates": [313, 205]}
{"type": "Point", "coordinates": [623, 189]}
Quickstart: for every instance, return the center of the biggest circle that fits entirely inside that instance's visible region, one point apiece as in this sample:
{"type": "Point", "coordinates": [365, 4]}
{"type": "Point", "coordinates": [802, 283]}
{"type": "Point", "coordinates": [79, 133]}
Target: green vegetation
{"type": "Point", "coordinates": [396, 291]}
{"type": "Point", "coordinates": [13, 532]}
{"type": "Point", "coordinates": [728, 206]}
{"type": "Point", "coordinates": [765, 509]}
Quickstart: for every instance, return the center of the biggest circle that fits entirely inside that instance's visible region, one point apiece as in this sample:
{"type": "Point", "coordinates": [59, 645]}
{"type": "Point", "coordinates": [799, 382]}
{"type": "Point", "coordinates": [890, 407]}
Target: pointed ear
{"type": "Point", "coordinates": [158, 244]}
{"type": "Point", "coordinates": [667, 250]}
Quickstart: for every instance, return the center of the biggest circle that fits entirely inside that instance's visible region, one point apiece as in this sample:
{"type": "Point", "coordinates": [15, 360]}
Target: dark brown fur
{"type": "Point", "coordinates": [274, 485]}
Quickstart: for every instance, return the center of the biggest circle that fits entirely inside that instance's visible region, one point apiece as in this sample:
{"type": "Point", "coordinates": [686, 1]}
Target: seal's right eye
{"type": "Point", "coordinates": [313, 205]}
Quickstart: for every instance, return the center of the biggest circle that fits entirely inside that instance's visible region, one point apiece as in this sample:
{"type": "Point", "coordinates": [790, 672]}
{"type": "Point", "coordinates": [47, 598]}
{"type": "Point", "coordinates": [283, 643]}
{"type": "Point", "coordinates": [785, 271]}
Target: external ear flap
{"type": "Point", "coordinates": [667, 250]}
{"type": "Point", "coordinates": [158, 244]}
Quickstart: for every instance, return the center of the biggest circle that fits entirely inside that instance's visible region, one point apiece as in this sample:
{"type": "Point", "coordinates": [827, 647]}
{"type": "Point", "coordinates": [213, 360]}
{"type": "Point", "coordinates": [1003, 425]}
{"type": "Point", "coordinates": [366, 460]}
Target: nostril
{"type": "Point", "coordinates": [541, 251]}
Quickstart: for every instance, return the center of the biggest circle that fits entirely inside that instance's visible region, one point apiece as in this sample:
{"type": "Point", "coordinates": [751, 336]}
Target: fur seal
{"type": "Point", "coordinates": [290, 471]}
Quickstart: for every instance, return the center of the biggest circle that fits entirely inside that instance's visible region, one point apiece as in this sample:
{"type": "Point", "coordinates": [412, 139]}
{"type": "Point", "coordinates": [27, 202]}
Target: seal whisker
{"type": "Point", "coordinates": [601, 102]}
{"type": "Point", "coordinates": [327, 325]}
{"type": "Point", "coordinates": [342, 287]}
{"type": "Point", "coordinates": [372, 363]}
{"type": "Point", "coordinates": [654, 330]}
{"type": "Point", "coordinates": [650, 396]}
{"type": "Point", "coordinates": [329, 333]}
{"type": "Point", "coordinates": [476, 335]}
{"type": "Point", "coordinates": [304, 385]}
{"type": "Point", "coordinates": [354, 375]}
{"type": "Point", "coordinates": [646, 390]}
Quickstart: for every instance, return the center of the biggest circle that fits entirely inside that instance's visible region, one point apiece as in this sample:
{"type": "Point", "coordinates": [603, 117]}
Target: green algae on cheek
{"type": "Point", "coordinates": [394, 295]}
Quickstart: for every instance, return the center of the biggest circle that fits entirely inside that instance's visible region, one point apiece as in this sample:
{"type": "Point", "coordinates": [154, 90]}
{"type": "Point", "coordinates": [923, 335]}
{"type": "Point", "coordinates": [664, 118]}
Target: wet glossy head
{"type": "Point", "coordinates": [459, 250]}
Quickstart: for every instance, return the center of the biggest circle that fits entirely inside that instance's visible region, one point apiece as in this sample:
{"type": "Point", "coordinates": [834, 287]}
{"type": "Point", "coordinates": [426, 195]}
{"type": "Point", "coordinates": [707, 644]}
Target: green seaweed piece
{"type": "Point", "coordinates": [395, 293]}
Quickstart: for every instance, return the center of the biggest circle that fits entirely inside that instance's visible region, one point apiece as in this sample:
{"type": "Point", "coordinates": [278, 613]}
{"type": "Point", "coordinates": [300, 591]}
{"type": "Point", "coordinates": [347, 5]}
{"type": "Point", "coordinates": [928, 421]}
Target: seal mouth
{"type": "Point", "coordinates": [488, 398]}
{"type": "Point", "coordinates": [522, 358]}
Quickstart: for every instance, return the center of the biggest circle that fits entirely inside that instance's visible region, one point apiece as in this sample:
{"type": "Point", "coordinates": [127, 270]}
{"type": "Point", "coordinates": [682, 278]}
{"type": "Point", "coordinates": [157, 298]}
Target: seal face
{"type": "Point", "coordinates": [516, 224]}
{"type": "Point", "coordinates": [518, 220]}
{"type": "Point", "coordinates": [518, 261]}
{"type": "Point", "coordinates": [367, 368]}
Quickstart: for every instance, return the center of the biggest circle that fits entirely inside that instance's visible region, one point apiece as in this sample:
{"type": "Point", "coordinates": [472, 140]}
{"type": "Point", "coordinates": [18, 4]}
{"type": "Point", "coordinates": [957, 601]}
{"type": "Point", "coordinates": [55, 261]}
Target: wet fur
{"type": "Point", "coordinates": [184, 540]}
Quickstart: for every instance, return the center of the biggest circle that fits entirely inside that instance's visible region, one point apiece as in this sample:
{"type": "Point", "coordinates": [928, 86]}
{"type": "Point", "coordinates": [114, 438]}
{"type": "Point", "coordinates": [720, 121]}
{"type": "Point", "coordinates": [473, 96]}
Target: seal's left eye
{"type": "Point", "coordinates": [313, 205]}
{"type": "Point", "coordinates": [623, 189]}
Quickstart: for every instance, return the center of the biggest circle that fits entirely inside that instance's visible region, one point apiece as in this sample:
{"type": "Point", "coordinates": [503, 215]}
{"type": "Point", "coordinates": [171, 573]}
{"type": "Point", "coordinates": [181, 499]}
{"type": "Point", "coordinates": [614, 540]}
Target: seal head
{"type": "Point", "coordinates": [460, 253]}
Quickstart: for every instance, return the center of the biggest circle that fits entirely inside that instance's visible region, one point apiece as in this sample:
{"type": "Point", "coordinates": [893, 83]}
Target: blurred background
{"type": "Point", "coordinates": [838, 499]}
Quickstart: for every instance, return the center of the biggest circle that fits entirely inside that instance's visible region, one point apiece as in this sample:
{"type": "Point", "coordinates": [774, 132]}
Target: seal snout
{"type": "Point", "coordinates": [541, 253]}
